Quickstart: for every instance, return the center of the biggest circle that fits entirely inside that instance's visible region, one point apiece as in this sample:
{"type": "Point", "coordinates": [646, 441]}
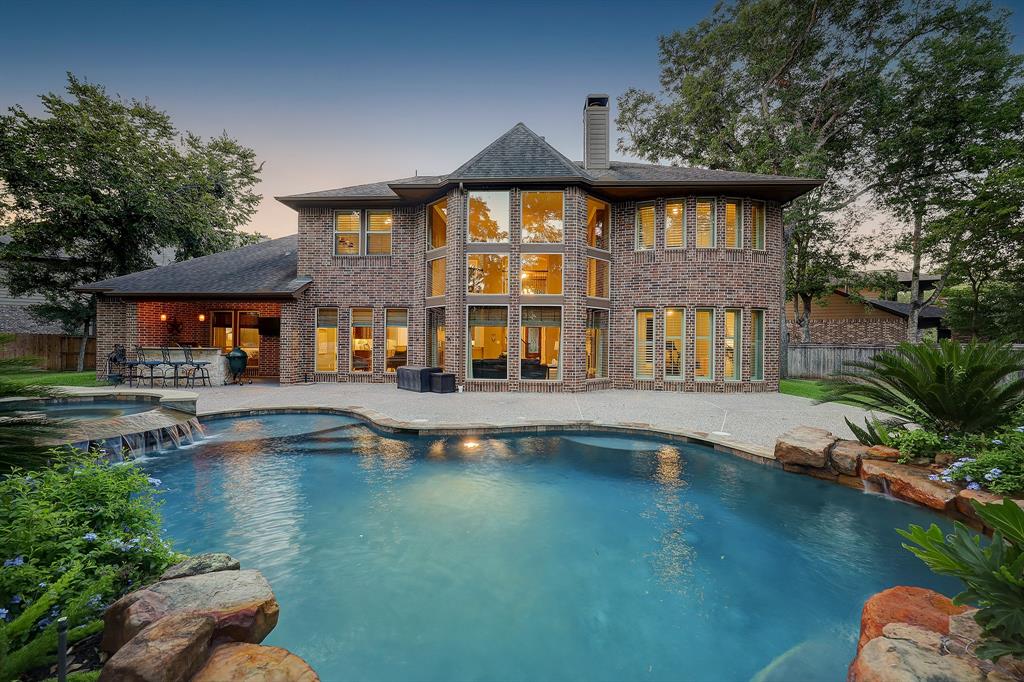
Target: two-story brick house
{"type": "Point", "coordinates": [521, 270]}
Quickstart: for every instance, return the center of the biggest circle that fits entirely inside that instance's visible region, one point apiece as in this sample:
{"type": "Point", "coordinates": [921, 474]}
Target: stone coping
{"type": "Point", "coordinates": [171, 398]}
{"type": "Point", "coordinates": [748, 451]}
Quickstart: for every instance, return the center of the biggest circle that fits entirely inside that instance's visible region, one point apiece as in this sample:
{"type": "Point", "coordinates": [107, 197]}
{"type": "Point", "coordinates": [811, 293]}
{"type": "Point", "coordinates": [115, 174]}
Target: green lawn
{"type": "Point", "coordinates": [805, 388]}
{"type": "Point", "coordinates": [42, 378]}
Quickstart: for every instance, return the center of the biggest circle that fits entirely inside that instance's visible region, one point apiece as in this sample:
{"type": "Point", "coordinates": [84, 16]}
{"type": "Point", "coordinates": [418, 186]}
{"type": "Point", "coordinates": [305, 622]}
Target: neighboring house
{"type": "Point", "coordinates": [844, 320]}
{"type": "Point", "coordinates": [520, 270]}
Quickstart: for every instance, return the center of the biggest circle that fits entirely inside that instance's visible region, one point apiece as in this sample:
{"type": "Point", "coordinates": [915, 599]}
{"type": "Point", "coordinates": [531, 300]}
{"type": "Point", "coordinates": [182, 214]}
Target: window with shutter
{"type": "Point", "coordinates": [704, 344]}
{"type": "Point", "coordinates": [644, 344]}
{"type": "Point", "coordinates": [675, 323]}
{"type": "Point", "coordinates": [362, 340]}
{"type": "Point", "coordinates": [705, 223]}
{"type": "Point", "coordinates": [675, 224]}
{"type": "Point", "coordinates": [326, 340]}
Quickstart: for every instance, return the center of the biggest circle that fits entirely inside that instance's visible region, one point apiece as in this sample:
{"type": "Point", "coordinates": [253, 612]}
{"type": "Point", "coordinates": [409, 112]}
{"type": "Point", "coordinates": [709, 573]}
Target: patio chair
{"type": "Point", "coordinates": [195, 370]}
{"type": "Point", "coordinates": [144, 363]}
{"type": "Point", "coordinates": [173, 366]}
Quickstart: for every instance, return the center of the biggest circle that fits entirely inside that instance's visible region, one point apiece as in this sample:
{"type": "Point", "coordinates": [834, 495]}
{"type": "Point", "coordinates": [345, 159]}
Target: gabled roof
{"type": "Point", "coordinates": [519, 153]}
{"type": "Point", "coordinates": [264, 270]}
{"type": "Point", "coordinates": [522, 156]}
{"type": "Point", "coordinates": [903, 309]}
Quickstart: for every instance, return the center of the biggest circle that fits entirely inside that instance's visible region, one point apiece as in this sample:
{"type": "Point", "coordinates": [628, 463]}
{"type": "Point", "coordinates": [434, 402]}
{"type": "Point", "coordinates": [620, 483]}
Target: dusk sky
{"type": "Point", "coordinates": [335, 94]}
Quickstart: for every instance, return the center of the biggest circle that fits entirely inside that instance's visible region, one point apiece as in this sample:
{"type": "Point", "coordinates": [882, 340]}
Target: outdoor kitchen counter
{"type": "Point", "coordinates": [218, 366]}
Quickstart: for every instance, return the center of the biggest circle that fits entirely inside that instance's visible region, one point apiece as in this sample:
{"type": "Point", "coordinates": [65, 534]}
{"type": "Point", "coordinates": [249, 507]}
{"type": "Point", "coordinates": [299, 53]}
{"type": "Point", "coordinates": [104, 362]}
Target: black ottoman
{"type": "Point", "coordinates": [442, 382]}
{"type": "Point", "coordinates": [415, 378]}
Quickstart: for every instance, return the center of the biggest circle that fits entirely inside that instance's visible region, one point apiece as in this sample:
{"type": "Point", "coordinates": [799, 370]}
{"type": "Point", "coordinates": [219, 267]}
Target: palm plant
{"type": "Point", "coordinates": [946, 387]}
{"type": "Point", "coordinates": [21, 432]}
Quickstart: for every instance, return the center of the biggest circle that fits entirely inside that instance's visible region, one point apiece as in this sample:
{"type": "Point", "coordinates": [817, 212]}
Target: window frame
{"type": "Point", "coordinates": [364, 232]}
{"type": "Point", "coordinates": [469, 227]}
{"type": "Point", "coordinates": [316, 329]}
{"type": "Point", "coordinates": [508, 273]}
{"type": "Point", "coordinates": [757, 344]}
{"type": "Point", "coordinates": [737, 340]}
{"type": "Point", "coordinates": [739, 224]}
{"type": "Point", "coordinates": [234, 324]}
{"type": "Point", "coordinates": [469, 339]}
{"type": "Point", "coordinates": [430, 276]}
{"type": "Point", "coordinates": [351, 350]}
{"type": "Point", "coordinates": [764, 225]}
{"type": "Point", "coordinates": [636, 344]}
{"type": "Point", "coordinates": [427, 221]}
{"type": "Point", "coordinates": [605, 347]}
{"type": "Point", "coordinates": [608, 226]}
{"type": "Point", "coordinates": [387, 326]}
{"type": "Point", "coordinates": [682, 345]}
{"type": "Point", "coordinates": [522, 213]}
{"type": "Point", "coordinates": [561, 270]}
{"type": "Point", "coordinates": [561, 338]}
{"type": "Point", "coordinates": [637, 245]}
{"type": "Point", "coordinates": [711, 343]}
{"type": "Point", "coordinates": [608, 277]}
{"type": "Point", "coordinates": [684, 223]}
{"type": "Point", "coordinates": [714, 222]}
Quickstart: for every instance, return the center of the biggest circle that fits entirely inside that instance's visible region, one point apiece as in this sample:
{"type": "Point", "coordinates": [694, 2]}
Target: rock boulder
{"type": "Point", "coordinates": [902, 660]}
{"type": "Point", "coordinates": [201, 563]}
{"type": "Point", "coordinates": [909, 483]}
{"type": "Point", "coordinates": [846, 456]}
{"type": "Point", "coordinates": [804, 446]}
{"type": "Point", "coordinates": [241, 603]}
{"type": "Point", "coordinates": [909, 605]}
{"type": "Point", "coordinates": [882, 452]}
{"type": "Point", "coordinates": [254, 663]}
{"type": "Point", "coordinates": [170, 650]}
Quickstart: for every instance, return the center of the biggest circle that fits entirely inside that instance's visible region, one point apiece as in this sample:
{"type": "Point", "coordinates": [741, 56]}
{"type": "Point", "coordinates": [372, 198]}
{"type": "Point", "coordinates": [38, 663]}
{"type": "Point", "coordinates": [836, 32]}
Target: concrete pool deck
{"type": "Point", "coordinates": [730, 418]}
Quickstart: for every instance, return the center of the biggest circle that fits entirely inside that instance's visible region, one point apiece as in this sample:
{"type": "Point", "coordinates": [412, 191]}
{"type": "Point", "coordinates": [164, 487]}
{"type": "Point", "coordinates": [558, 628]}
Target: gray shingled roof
{"type": "Point", "coordinates": [624, 171]}
{"type": "Point", "coordinates": [260, 270]}
{"type": "Point", "coordinates": [373, 190]}
{"type": "Point", "coordinates": [519, 153]}
{"type": "Point", "coordinates": [903, 309]}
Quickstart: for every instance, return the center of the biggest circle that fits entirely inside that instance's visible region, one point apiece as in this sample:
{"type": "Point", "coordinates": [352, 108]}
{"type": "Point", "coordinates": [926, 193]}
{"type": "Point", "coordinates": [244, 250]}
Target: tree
{"type": "Point", "coordinates": [783, 87]}
{"type": "Point", "coordinates": [95, 186]}
{"type": "Point", "coordinates": [945, 120]}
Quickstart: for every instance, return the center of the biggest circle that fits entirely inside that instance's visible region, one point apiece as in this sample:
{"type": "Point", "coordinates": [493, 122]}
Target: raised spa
{"type": "Point", "coordinates": [537, 557]}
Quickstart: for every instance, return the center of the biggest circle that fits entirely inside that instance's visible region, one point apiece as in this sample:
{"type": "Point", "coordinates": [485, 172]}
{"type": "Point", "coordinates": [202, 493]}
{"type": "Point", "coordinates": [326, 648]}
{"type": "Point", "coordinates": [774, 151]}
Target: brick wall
{"type": "Point", "coordinates": [860, 331]}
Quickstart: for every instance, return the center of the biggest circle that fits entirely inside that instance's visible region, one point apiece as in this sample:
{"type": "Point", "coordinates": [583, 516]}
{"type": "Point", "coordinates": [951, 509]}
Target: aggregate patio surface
{"type": "Point", "coordinates": [754, 418]}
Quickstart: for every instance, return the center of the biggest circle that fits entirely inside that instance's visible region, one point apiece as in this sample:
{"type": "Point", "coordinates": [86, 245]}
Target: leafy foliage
{"type": "Point", "coordinates": [946, 387]}
{"type": "Point", "coordinates": [991, 310]}
{"type": "Point", "coordinates": [73, 536]}
{"type": "Point", "coordinates": [990, 463]}
{"type": "Point", "coordinates": [993, 575]}
{"type": "Point", "coordinates": [19, 433]}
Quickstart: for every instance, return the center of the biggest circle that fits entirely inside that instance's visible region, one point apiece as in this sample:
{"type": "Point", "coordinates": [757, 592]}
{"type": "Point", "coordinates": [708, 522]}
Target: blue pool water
{"type": "Point", "coordinates": [79, 410]}
{"type": "Point", "coordinates": [537, 557]}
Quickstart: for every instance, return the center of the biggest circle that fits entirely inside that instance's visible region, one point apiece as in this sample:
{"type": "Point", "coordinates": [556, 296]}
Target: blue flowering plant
{"type": "Point", "coordinates": [994, 463]}
{"type": "Point", "coordinates": [74, 536]}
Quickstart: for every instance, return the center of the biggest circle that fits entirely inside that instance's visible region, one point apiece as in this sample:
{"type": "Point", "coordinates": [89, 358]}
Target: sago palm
{"type": "Point", "coordinates": [946, 386]}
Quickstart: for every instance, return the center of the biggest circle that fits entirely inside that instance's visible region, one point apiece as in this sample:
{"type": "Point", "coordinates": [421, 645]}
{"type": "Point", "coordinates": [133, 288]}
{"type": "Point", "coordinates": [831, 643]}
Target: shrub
{"type": "Point", "coordinates": [993, 574]}
{"type": "Point", "coordinates": [74, 535]}
{"type": "Point", "coordinates": [945, 387]}
{"type": "Point", "coordinates": [914, 443]}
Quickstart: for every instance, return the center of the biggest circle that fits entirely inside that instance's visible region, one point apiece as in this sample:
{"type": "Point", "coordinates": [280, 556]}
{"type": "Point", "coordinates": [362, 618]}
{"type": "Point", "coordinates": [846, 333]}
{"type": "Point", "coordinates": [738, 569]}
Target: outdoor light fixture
{"type": "Point", "coordinates": [202, 317]}
{"type": "Point", "coordinates": [163, 317]}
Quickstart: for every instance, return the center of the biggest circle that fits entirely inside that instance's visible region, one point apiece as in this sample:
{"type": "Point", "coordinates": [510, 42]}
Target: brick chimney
{"type": "Point", "coordinates": [596, 135]}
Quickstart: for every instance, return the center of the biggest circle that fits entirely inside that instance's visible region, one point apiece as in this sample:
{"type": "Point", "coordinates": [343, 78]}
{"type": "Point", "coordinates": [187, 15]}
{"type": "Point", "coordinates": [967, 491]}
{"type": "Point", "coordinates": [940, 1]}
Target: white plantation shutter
{"type": "Point", "coordinates": [645, 344]}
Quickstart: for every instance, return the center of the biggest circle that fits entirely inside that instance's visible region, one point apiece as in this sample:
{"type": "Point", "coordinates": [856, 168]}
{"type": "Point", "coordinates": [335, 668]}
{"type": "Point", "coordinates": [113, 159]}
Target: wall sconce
{"type": "Point", "coordinates": [163, 317]}
{"type": "Point", "coordinates": [202, 317]}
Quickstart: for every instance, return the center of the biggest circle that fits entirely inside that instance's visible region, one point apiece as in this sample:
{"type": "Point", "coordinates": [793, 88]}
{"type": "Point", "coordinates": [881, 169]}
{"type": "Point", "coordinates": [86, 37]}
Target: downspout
{"type": "Point", "coordinates": [783, 323]}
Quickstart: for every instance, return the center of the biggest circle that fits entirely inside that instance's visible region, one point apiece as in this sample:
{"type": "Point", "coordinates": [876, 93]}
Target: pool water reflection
{"type": "Point", "coordinates": [582, 556]}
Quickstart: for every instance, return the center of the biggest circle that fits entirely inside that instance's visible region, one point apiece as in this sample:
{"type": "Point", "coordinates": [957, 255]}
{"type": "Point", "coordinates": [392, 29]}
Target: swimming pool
{"type": "Point", "coordinates": [80, 409]}
{"type": "Point", "coordinates": [537, 557]}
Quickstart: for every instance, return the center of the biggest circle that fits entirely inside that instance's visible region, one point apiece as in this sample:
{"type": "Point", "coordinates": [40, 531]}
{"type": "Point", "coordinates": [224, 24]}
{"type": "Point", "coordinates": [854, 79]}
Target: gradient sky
{"type": "Point", "coordinates": [332, 94]}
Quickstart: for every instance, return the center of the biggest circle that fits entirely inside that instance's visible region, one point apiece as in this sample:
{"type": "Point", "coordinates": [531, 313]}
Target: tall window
{"type": "Point", "coordinates": [757, 345]}
{"type": "Point", "coordinates": [249, 336]}
{"type": "Point", "coordinates": [488, 342]}
{"type": "Point", "coordinates": [542, 217]}
{"type": "Point", "coordinates": [704, 344]}
{"type": "Point", "coordinates": [675, 224]}
{"type": "Point", "coordinates": [435, 273]}
{"type": "Point", "coordinates": [541, 273]}
{"type": "Point", "coordinates": [540, 335]}
{"type": "Point", "coordinates": [705, 223]}
{"type": "Point", "coordinates": [733, 344]}
{"type": "Point", "coordinates": [362, 340]}
{"type": "Point", "coordinates": [487, 273]}
{"type": "Point", "coordinates": [597, 343]}
{"type": "Point", "coordinates": [396, 328]}
{"type": "Point", "coordinates": [598, 221]}
{"type": "Point", "coordinates": [733, 224]}
{"type": "Point", "coordinates": [437, 224]}
{"type": "Point", "coordinates": [362, 232]}
{"type": "Point", "coordinates": [645, 226]}
{"type": "Point", "coordinates": [597, 278]}
{"type": "Point", "coordinates": [222, 329]}
{"type": "Point", "coordinates": [488, 216]}
{"type": "Point", "coordinates": [326, 340]}
{"type": "Point", "coordinates": [644, 344]}
{"type": "Point", "coordinates": [757, 214]}
{"type": "Point", "coordinates": [435, 340]}
{"type": "Point", "coordinates": [675, 324]}
{"type": "Point", "coordinates": [347, 226]}
{"type": "Point", "coordinates": [378, 232]}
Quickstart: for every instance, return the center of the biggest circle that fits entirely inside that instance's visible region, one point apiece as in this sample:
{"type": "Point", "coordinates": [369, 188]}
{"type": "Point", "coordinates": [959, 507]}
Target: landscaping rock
{"type": "Point", "coordinates": [850, 482]}
{"type": "Point", "coordinates": [846, 456]}
{"type": "Point", "coordinates": [241, 603]}
{"type": "Point", "coordinates": [964, 506]}
{"type": "Point", "coordinates": [823, 474]}
{"type": "Point", "coordinates": [169, 650]}
{"type": "Point", "coordinates": [254, 663]}
{"type": "Point", "coordinates": [910, 605]}
{"type": "Point", "coordinates": [909, 483]}
{"type": "Point", "coordinates": [201, 563]}
{"type": "Point", "coordinates": [926, 639]}
{"type": "Point", "coordinates": [804, 446]}
{"type": "Point", "coordinates": [900, 660]}
{"type": "Point", "coordinates": [882, 452]}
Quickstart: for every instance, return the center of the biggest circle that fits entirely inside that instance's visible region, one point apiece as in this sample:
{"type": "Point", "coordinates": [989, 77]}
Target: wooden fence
{"type": "Point", "coordinates": [56, 352]}
{"type": "Point", "coordinates": [814, 361]}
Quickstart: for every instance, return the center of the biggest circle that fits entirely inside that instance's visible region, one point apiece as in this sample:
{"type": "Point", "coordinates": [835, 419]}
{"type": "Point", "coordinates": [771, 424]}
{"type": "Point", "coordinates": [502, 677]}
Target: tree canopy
{"type": "Point", "coordinates": [97, 184]}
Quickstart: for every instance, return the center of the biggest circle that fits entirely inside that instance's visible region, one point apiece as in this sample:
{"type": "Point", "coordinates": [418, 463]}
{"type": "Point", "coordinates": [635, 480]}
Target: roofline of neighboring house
{"type": "Point", "coordinates": [874, 303]}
